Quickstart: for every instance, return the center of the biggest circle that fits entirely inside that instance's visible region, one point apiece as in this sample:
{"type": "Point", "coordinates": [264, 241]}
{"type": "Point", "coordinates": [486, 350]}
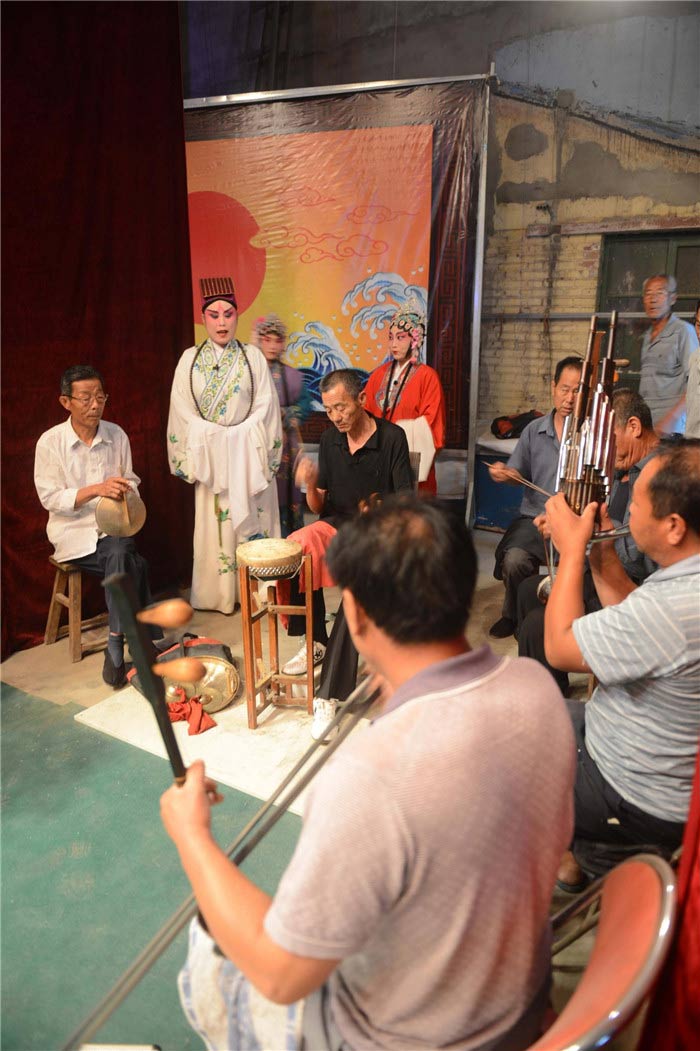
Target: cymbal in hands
{"type": "Point", "coordinates": [172, 613]}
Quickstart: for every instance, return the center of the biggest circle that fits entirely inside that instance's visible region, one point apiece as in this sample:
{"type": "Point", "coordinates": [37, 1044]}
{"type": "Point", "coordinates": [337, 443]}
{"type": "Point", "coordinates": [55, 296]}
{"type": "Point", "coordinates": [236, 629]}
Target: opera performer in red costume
{"type": "Point", "coordinates": [406, 392]}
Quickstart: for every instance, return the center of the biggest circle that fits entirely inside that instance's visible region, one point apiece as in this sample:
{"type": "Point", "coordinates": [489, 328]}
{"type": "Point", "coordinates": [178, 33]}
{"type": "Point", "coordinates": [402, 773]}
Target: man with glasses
{"type": "Point", "coordinates": [77, 462]}
{"type": "Point", "coordinates": [521, 551]}
{"type": "Point", "coordinates": [665, 357]}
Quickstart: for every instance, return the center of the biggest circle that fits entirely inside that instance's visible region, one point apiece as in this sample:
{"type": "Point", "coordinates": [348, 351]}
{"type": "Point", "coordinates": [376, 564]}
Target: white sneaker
{"type": "Point", "coordinates": [324, 713]}
{"type": "Point", "coordinates": [297, 665]}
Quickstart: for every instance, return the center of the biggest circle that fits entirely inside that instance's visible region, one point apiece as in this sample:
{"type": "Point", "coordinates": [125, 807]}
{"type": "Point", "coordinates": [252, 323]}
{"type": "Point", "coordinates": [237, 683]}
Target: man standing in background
{"type": "Point", "coordinates": [666, 350]}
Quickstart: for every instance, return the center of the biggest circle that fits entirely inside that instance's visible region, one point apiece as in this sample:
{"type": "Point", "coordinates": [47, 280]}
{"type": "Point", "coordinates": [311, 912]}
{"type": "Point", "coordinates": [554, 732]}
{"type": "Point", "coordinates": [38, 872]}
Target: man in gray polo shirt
{"type": "Point", "coordinates": [521, 551]}
{"type": "Point", "coordinates": [638, 735]}
{"type": "Point", "coordinates": [666, 349]}
{"type": "Point", "coordinates": [414, 912]}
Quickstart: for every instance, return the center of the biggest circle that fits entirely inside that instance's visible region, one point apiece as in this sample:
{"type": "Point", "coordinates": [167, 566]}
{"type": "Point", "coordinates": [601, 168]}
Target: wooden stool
{"type": "Point", "coordinates": [267, 685]}
{"type": "Point", "coordinates": [69, 577]}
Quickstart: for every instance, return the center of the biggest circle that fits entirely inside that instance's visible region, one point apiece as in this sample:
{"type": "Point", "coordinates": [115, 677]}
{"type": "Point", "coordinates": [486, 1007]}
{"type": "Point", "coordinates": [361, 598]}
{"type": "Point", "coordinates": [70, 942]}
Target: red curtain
{"type": "Point", "coordinates": [95, 263]}
{"type": "Point", "coordinates": [673, 1019]}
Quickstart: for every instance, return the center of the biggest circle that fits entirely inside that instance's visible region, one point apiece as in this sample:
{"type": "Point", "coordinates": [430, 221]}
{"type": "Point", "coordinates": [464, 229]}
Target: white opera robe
{"type": "Point", "coordinates": [230, 457]}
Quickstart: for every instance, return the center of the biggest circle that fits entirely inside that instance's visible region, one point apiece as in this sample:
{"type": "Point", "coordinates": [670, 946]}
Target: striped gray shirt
{"type": "Point", "coordinates": [643, 720]}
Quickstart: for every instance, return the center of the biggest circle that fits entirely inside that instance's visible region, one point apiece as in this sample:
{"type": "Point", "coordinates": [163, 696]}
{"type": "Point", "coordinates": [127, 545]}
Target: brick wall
{"type": "Point", "coordinates": [543, 252]}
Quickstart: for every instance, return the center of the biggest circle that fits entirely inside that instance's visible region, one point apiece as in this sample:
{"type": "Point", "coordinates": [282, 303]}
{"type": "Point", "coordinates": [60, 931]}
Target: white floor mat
{"type": "Point", "coordinates": [253, 761]}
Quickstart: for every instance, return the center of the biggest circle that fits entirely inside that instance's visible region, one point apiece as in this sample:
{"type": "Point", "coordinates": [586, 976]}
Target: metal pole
{"type": "Point", "coordinates": [245, 98]}
{"type": "Point", "coordinates": [477, 297]}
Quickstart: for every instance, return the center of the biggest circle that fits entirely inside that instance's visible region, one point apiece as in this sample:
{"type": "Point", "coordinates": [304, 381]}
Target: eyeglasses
{"type": "Point", "coordinates": [87, 399]}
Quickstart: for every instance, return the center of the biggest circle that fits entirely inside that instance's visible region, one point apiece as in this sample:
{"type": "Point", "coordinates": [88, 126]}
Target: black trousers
{"type": "Point", "coordinates": [339, 669]}
{"type": "Point", "coordinates": [118, 554]}
{"type": "Point", "coordinates": [519, 555]}
{"type": "Point", "coordinates": [529, 623]}
{"type": "Point", "coordinates": [608, 828]}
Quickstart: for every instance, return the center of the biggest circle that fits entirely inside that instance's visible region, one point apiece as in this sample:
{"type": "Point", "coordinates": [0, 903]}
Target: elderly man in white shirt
{"type": "Point", "coordinates": [77, 462]}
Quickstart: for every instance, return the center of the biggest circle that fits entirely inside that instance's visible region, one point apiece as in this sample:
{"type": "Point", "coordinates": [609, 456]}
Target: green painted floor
{"type": "Point", "coordinates": [89, 876]}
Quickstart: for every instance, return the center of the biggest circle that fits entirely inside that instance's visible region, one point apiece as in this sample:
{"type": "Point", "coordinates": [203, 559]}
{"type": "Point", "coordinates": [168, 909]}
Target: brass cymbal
{"type": "Point", "coordinates": [123, 517]}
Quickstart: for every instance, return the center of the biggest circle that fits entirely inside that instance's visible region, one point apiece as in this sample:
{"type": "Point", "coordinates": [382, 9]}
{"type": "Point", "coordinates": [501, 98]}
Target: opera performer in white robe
{"type": "Point", "coordinates": [225, 437]}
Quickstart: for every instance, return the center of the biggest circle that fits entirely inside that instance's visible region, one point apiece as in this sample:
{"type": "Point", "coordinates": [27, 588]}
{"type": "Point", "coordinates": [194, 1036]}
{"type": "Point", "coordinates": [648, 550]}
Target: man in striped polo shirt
{"type": "Point", "coordinates": [637, 737]}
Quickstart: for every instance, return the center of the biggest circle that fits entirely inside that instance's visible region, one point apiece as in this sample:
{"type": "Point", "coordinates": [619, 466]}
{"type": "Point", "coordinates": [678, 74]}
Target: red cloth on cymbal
{"type": "Point", "coordinates": [192, 712]}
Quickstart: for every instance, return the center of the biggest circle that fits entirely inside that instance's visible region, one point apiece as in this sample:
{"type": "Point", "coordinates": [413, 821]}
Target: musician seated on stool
{"type": "Point", "coordinates": [638, 734]}
{"type": "Point", "coordinates": [521, 551]}
{"type": "Point", "coordinates": [635, 444]}
{"type": "Point", "coordinates": [77, 462]}
{"type": "Point", "coordinates": [389, 925]}
{"type": "Point", "coordinates": [359, 457]}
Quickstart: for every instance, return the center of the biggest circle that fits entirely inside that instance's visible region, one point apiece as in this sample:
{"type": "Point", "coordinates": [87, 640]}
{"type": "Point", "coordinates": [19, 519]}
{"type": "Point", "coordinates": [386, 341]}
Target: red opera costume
{"type": "Point", "coordinates": [420, 395]}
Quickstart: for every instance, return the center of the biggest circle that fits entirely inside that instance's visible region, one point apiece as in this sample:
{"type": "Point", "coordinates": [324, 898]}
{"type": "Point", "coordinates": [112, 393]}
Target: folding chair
{"type": "Point", "coordinates": [637, 915]}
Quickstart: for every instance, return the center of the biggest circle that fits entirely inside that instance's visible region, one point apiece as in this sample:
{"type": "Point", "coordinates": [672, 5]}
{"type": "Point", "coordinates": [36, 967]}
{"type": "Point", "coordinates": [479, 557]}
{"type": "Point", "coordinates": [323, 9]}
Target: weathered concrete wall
{"type": "Point", "coordinates": [556, 183]}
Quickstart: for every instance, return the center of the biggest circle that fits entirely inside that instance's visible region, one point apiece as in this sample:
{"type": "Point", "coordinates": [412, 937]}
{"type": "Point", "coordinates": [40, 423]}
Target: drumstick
{"type": "Point", "coordinates": [126, 507]}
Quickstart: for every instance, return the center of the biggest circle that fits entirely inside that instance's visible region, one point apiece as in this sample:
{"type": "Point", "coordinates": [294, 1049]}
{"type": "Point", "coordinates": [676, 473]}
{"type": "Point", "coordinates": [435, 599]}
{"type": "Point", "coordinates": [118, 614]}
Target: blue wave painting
{"type": "Point", "coordinates": [370, 304]}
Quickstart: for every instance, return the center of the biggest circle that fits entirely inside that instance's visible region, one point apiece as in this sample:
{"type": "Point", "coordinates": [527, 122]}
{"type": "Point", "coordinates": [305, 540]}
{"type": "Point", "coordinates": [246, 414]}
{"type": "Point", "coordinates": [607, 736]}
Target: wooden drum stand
{"type": "Point", "coordinates": [265, 684]}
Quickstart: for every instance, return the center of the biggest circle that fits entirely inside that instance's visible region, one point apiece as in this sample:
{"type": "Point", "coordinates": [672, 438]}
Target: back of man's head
{"type": "Point", "coordinates": [350, 379]}
{"type": "Point", "coordinates": [76, 373]}
{"type": "Point", "coordinates": [675, 487]}
{"type": "Point", "coordinates": [411, 566]}
{"type": "Point", "coordinates": [628, 403]}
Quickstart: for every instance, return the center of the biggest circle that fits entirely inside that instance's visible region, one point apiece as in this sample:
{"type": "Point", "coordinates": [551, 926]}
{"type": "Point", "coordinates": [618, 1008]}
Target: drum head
{"type": "Point", "coordinates": [120, 517]}
{"type": "Point", "coordinates": [270, 557]}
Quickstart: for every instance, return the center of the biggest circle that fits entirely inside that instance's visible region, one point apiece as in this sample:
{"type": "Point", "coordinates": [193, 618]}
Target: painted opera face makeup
{"type": "Point", "coordinates": [399, 344]}
{"type": "Point", "coordinates": [220, 320]}
{"type": "Point", "coordinates": [272, 347]}
{"type": "Point", "coordinates": [564, 392]}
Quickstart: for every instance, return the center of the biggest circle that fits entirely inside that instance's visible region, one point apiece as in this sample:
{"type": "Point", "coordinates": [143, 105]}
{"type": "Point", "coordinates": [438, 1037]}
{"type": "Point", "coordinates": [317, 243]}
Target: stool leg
{"type": "Point", "coordinates": [248, 653]}
{"type": "Point", "coordinates": [75, 615]}
{"type": "Point", "coordinates": [273, 641]}
{"type": "Point", "coordinates": [257, 632]}
{"type": "Point", "coordinates": [54, 618]}
{"type": "Point", "coordinates": [308, 602]}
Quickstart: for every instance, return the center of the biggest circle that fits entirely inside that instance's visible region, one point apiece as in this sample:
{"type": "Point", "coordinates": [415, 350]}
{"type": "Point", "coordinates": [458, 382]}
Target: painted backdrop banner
{"type": "Point", "coordinates": [331, 212]}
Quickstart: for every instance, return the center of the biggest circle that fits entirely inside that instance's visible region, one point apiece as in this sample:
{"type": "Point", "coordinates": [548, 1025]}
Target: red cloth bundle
{"type": "Point", "coordinates": [190, 711]}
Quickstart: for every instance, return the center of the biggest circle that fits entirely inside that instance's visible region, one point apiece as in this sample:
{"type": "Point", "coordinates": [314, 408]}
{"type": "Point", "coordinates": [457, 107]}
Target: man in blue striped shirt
{"type": "Point", "coordinates": [637, 737]}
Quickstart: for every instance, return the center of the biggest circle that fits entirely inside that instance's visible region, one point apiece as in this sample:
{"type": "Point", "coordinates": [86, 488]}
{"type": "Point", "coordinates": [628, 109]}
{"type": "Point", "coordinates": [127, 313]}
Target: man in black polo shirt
{"type": "Point", "coordinates": [359, 457]}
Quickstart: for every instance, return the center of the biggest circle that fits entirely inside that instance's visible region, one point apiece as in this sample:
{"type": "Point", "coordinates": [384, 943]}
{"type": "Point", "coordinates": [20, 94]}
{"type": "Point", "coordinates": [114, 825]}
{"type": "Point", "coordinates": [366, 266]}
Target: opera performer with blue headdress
{"type": "Point", "coordinates": [405, 391]}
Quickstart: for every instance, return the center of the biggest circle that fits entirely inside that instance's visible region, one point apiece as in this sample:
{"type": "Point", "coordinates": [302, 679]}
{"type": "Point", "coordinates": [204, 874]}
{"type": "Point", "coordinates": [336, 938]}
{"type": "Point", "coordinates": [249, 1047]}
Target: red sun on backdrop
{"type": "Point", "coordinates": [221, 229]}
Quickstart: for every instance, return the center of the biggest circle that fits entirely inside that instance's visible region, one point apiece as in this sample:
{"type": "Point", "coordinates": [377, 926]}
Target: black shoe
{"type": "Point", "coordinates": [502, 628]}
{"type": "Point", "coordinates": [114, 675]}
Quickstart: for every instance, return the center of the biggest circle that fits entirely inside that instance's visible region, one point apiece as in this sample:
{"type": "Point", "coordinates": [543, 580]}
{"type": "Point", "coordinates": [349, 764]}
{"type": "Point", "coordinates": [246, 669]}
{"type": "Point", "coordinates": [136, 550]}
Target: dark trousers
{"type": "Point", "coordinates": [608, 828]}
{"type": "Point", "coordinates": [529, 623]}
{"type": "Point", "coordinates": [339, 669]}
{"type": "Point", "coordinates": [117, 554]}
{"type": "Point", "coordinates": [519, 555]}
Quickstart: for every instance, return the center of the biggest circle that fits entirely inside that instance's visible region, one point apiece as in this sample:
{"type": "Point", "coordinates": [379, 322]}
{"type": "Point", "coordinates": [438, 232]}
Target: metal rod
{"type": "Point", "coordinates": [245, 98]}
{"type": "Point", "coordinates": [357, 704]}
{"type": "Point", "coordinates": [477, 304]}
{"type": "Point", "coordinates": [609, 534]}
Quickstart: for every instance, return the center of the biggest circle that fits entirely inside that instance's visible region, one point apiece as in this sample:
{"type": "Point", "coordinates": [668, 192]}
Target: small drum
{"type": "Point", "coordinates": [123, 517]}
{"type": "Point", "coordinates": [270, 558]}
